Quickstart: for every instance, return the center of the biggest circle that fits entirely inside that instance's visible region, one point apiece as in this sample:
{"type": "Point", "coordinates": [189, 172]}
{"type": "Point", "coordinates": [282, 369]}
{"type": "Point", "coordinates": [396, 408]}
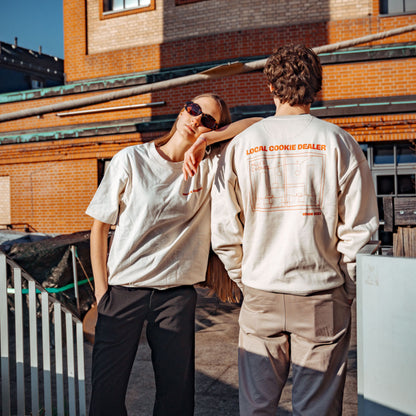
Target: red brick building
{"type": "Point", "coordinates": [50, 163]}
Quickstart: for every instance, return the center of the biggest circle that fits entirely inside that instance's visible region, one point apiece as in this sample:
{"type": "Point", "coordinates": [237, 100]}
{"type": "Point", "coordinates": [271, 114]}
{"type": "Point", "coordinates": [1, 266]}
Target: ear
{"type": "Point", "coordinates": [271, 88]}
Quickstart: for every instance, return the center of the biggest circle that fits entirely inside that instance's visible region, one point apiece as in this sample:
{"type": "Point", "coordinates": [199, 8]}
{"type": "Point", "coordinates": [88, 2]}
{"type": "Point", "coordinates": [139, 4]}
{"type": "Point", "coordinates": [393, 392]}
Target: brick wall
{"type": "Point", "coordinates": [209, 30]}
{"type": "Point", "coordinates": [52, 182]}
{"type": "Point", "coordinates": [52, 197]}
{"type": "Point", "coordinates": [370, 79]}
{"type": "Point", "coordinates": [169, 23]}
{"type": "Point", "coordinates": [139, 29]}
{"type": "Point", "coordinates": [386, 128]}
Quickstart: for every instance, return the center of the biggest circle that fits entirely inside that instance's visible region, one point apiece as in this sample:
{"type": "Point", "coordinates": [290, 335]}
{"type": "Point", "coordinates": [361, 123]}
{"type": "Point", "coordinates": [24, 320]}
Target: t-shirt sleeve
{"type": "Point", "coordinates": [105, 204]}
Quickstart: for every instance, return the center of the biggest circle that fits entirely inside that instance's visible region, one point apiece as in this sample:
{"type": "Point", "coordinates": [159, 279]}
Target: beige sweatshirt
{"type": "Point", "coordinates": [292, 204]}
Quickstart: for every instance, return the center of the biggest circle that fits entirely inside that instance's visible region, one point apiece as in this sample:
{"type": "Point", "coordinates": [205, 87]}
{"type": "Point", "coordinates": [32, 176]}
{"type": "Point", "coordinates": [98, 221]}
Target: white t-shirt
{"type": "Point", "coordinates": [162, 235]}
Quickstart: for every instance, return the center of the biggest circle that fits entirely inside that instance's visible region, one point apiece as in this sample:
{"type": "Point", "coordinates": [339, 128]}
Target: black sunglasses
{"type": "Point", "coordinates": [206, 120]}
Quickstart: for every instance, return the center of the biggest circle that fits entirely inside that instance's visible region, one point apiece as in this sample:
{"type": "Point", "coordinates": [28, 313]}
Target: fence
{"type": "Point", "coordinates": [43, 334]}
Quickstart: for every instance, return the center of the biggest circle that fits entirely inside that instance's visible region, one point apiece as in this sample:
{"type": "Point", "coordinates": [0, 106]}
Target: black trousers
{"type": "Point", "coordinates": [170, 316]}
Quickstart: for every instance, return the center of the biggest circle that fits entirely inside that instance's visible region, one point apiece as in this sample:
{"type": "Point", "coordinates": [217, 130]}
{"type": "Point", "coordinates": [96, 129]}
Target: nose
{"type": "Point", "coordinates": [196, 120]}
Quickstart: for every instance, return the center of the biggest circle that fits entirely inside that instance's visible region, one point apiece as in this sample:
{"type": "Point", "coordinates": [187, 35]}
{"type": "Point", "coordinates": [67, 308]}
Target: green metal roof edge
{"type": "Point", "coordinates": [359, 50]}
{"type": "Point", "coordinates": [91, 131]}
{"type": "Point", "coordinates": [75, 88]}
{"type": "Point", "coordinates": [54, 135]}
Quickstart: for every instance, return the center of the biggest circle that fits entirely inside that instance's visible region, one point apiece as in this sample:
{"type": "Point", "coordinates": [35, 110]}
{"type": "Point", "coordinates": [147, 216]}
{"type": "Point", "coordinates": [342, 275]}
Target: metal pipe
{"type": "Point", "coordinates": [75, 274]}
{"type": "Point", "coordinates": [121, 107]}
{"type": "Point", "coordinates": [33, 345]}
{"type": "Point", "coordinates": [4, 339]}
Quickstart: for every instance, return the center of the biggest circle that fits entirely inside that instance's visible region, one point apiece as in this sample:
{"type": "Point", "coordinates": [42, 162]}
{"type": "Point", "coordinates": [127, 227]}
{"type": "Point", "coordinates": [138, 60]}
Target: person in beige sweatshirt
{"type": "Point", "coordinates": [292, 204]}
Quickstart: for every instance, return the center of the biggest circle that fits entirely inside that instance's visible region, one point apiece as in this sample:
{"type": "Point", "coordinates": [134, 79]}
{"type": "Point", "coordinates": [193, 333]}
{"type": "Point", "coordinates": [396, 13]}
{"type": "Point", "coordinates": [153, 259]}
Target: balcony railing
{"type": "Point", "coordinates": [40, 338]}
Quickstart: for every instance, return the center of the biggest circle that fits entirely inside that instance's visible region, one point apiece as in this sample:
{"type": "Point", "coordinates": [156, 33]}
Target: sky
{"type": "Point", "coordinates": [35, 23]}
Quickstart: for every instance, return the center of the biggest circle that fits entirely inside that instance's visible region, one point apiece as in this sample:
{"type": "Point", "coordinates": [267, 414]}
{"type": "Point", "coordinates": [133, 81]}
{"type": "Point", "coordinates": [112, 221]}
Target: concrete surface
{"type": "Point", "coordinates": [216, 367]}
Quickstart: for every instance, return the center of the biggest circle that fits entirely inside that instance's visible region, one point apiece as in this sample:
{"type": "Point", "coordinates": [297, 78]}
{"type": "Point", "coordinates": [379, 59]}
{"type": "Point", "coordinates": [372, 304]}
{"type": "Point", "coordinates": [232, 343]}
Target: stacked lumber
{"type": "Point", "coordinates": [400, 217]}
{"type": "Point", "coordinates": [404, 242]}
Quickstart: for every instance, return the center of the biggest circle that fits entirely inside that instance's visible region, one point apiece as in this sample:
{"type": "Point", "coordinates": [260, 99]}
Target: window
{"type": "Point", "coordinates": [397, 6]}
{"type": "Point", "coordinates": [110, 6]}
{"type": "Point", "coordinates": [393, 167]}
{"type": "Point", "coordinates": [5, 206]}
{"type": "Point", "coordinates": [36, 83]}
{"type": "Point", "coordinates": [102, 165]}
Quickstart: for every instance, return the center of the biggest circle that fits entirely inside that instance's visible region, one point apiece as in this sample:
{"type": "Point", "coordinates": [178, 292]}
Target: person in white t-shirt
{"type": "Point", "coordinates": [158, 252]}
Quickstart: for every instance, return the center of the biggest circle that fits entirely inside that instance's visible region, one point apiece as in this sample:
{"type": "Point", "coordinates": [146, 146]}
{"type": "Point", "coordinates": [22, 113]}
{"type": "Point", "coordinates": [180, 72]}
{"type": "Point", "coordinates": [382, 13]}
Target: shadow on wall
{"type": "Point", "coordinates": [194, 33]}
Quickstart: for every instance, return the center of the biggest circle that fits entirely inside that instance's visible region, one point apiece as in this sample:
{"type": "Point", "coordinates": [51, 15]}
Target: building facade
{"type": "Point", "coordinates": [51, 162]}
{"type": "Point", "coordinates": [23, 69]}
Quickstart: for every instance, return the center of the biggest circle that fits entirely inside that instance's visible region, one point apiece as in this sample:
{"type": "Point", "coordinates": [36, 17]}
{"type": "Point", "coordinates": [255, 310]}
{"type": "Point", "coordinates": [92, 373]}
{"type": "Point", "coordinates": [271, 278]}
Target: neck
{"type": "Point", "coordinates": [174, 150]}
{"type": "Point", "coordinates": [289, 110]}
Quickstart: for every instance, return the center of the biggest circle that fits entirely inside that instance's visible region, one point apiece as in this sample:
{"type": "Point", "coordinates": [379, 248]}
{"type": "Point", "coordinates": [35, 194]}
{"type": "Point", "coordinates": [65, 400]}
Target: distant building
{"type": "Point", "coordinates": [50, 164]}
{"type": "Point", "coordinates": [25, 69]}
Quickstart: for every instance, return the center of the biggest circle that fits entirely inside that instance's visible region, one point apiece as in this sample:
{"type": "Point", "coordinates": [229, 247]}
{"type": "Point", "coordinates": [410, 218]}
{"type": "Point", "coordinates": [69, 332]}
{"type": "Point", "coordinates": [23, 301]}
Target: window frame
{"type": "Point", "coordinates": [394, 169]}
{"type": "Point", "coordinates": [182, 2]}
{"type": "Point", "coordinates": [383, 9]}
{"type": "Point", "coordinates": [36, 83]}
{"type": "Point", "coordinates": [109, 14]}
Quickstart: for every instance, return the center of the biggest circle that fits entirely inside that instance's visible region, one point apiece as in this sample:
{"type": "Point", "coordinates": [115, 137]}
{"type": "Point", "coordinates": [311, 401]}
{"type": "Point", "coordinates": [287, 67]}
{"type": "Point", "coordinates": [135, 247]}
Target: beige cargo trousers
{"type": "Point", "coordinates": [310, 332]}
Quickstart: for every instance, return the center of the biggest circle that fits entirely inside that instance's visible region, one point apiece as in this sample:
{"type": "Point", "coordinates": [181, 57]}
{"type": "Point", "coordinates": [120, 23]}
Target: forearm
{"type": "Point", "coordinates": [195, 153]}
{"type": "Point", "coordinates": [228, 131]}
{"type": "Point", "coordinates": [231, 257]}
{"type": "Point", "coordinates": [98, 251]}
{"type": "Point", "coordinates": [227, 229]}
{"type": "Point", "coordinates": [358, 220]}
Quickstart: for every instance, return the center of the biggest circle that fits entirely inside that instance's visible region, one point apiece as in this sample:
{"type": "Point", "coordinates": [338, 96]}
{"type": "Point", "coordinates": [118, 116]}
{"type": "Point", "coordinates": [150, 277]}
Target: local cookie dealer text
{"type": "Point", "coordinates": [286, 147]}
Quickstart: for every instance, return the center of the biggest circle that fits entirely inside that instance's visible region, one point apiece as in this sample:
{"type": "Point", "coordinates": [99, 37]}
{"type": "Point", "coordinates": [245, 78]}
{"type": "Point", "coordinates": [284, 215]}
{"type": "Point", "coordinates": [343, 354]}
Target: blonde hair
{"type": "Point", "coordinates": [224, 119]}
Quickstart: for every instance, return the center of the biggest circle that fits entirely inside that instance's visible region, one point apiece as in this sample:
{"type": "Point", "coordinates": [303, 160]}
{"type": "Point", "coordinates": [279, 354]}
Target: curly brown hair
{"type": "Point", "coordinates": [295, 74]}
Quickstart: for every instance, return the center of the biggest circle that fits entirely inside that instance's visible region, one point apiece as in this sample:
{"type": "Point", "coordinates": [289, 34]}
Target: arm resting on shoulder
{"type": "Point", "coordinates": [195, 153]}
{"type": "Point", "coordinates": [98, 252]}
